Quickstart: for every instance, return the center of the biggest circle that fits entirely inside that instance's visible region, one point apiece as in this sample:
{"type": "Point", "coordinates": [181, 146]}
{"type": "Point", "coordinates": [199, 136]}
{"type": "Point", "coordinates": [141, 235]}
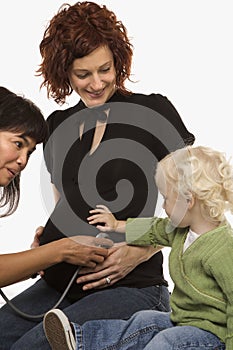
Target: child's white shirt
{"type": "Point", "coordinates": [191, 237]}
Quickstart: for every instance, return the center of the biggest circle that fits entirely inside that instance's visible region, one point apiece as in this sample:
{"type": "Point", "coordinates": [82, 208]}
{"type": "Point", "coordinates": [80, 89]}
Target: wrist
{"type": "Point", "coordinates": [120, 226]}
{"type": "Point", "coordinates": [61, 249]}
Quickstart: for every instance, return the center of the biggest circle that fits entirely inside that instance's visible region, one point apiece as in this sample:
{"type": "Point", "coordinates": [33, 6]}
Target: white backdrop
{"type": "Point", "coordinates": [182, 49]}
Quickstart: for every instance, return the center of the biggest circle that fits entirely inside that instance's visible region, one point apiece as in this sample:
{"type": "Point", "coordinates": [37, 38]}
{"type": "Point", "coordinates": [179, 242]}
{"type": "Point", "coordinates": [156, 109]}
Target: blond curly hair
{"type": "Point", "coordinates": [203, 172]}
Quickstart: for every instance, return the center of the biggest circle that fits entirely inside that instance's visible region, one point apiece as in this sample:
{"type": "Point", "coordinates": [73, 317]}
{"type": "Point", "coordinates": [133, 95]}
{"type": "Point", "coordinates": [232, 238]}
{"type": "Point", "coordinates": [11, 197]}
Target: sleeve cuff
{"type": "Point", "coordinates": [138, 231]}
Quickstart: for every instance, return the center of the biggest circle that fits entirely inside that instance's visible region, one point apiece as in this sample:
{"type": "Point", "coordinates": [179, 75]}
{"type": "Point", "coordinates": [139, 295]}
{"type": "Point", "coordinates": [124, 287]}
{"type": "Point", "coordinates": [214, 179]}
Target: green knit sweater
{"type": "Point", "coordinates": [202, 275]}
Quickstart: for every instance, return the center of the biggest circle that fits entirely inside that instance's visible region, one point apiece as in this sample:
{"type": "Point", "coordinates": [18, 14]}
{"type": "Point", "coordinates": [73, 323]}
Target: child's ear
{"type": "Point", "coordinates": [190, 200]}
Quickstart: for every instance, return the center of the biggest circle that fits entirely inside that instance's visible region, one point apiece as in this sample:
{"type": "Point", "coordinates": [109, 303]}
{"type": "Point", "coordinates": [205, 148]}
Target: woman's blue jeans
{"type": "Point", "coordinates": [147, 330]}
{"type": "Point", "coordinates": [115, 303]}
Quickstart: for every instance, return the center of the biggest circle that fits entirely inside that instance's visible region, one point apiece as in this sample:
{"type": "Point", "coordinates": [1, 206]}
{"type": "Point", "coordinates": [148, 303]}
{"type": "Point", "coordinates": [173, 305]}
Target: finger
{"type": "Point", "coordinates": [103, 228]}
{"type": "Point", "coordinates": [39, 230]}
{"type": "Point", "coordinates": [97, 220]}
{"type": "Point", "coordinates": [97, 211]}
{"type": "Point", "coordinates": [96, 216]}
{"type": "Point", "coordinates": [36, 240]}
{"type": "Point", "coordinates": [93, 276]}
{"type": "Point", "coordinates": [100, 284]}
{"type": "Point", "coordinates": [35, 243]}
{"type": "Point", "coordinates": [99, 259]}
{"type": "Point", "coordinates": [103, 207]}
{"type": "Point", "coordinates": [96, 285]}
{"type": "Point", "coordinates": [93, 222]}
{"type": "Point", "coordinates": [90, 264]}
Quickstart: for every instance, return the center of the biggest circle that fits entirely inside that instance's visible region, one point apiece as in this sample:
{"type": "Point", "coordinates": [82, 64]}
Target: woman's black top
{"type": "Point", "coordinates": [141, 130]}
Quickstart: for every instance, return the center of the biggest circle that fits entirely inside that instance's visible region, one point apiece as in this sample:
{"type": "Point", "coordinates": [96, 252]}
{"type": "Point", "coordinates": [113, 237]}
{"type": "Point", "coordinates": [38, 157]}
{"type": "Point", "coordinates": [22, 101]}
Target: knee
{"type": "Point", "coordinates": [165, 339]}
{"type": "Point", "coordinates": [146, 317]}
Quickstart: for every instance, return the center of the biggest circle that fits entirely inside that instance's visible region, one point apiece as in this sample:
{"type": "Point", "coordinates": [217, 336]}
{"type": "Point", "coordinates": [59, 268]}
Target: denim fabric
{"type": "Point", "coordinates": [145, 330]}
{"type": "Point", "coordinates": [18, 333]}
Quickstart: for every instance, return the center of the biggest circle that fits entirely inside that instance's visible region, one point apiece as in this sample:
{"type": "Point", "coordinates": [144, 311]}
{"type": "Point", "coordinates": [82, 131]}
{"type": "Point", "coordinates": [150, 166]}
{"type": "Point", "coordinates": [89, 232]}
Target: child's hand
{"type": "Point", "coordinates": [102, 215]}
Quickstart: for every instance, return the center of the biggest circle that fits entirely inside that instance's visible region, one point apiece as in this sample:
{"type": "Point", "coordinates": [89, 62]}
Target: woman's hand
{"type": "Point", "coordinates": [121, 260]}
{"type": "Point", "coordinates": [81, 250]}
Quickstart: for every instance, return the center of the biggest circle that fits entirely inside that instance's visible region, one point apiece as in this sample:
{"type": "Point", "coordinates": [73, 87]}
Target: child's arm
{"type": "Point", "coordinates": [102, 215]}
{"type": "Point", "coordinates": [139, 231]}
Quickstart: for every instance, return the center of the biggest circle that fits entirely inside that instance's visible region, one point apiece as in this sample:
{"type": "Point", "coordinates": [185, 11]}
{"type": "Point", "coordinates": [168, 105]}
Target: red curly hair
{"type": "Point", "coordinates": [74, 32]}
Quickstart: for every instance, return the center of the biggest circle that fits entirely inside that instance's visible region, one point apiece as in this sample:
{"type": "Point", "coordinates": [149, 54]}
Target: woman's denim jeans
{"type": "Point", "coordinates": [147, 330]}
{"type": "Point", "coordinates": [115, 303]}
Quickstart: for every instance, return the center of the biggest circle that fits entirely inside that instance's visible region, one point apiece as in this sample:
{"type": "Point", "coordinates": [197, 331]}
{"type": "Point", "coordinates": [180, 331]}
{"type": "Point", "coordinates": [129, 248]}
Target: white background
{"type": "Point", "coordinates": [182, 49]}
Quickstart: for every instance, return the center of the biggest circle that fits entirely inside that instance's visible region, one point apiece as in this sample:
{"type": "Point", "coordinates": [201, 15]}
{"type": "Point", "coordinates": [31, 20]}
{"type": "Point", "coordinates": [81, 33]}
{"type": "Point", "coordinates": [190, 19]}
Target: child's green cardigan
{"type": "Point", "coordinates": [202, 275]}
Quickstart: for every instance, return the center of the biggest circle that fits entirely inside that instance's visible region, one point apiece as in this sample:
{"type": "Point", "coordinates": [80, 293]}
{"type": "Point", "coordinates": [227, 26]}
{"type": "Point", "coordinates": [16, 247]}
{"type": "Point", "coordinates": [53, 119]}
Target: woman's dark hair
{"type": "Point", "coordinates": [18, 114]}
{"type": "Point", "coordinates": [74, 32]}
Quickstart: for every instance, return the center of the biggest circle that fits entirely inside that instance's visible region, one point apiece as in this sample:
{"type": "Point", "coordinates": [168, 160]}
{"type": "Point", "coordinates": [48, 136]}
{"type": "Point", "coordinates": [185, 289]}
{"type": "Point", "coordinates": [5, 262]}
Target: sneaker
{"type": "Point", "coordinates": [58, 330]}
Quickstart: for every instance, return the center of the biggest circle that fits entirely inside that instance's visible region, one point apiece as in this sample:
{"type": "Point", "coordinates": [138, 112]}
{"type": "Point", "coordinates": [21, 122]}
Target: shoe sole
{"type": "Point", "coordinates": [58, 331]}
